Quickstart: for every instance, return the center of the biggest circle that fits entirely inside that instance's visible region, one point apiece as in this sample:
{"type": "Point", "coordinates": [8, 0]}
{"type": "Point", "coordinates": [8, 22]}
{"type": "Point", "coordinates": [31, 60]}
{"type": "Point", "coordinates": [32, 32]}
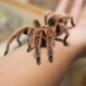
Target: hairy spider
{"type": "Point", "coordinates": [17, 34]}
{"type": "Point", "coordinates": [60, 23]}
{"type": "Point", "coordinates": [43, 36]}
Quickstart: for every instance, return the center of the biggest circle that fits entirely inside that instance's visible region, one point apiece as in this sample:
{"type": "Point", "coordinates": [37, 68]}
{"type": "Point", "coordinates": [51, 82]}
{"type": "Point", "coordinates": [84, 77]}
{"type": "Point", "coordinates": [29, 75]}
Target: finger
{"type": "Point", "coordinates": [76, 9]}
{"type": "Point", "coordinates": [62, 6]}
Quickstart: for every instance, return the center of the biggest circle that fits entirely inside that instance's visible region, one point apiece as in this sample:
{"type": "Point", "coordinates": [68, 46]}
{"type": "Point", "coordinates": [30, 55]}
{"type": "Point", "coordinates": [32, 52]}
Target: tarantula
{"type": "Point", "coordinates": [60, 22]}
{"type": "Point", "coordinates": [44, 36]}
{"type": "Point", "coordinates": [17, 34]}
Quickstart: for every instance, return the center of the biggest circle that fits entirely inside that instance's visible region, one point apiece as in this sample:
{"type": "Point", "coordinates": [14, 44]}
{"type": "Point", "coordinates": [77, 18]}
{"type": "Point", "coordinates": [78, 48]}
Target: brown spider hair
{"type": "Point", "coordinates": [22, 30]}
{"type": "Point", "coordinates": [46, 34]}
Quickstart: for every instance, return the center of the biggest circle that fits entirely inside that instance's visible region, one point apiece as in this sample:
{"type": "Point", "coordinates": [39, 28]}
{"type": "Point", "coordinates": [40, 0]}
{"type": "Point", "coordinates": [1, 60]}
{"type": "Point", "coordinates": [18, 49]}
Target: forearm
{"type": "Point", "coordinates": [20, 68]}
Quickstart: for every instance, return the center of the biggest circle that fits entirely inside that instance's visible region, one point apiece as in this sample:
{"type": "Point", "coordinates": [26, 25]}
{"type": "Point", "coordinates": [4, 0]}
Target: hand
{"type": "Point", "coordinates": [20, 69]}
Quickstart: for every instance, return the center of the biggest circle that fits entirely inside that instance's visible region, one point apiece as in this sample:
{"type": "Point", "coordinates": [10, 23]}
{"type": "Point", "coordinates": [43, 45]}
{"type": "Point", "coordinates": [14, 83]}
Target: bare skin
{"type": "Point", "coordinates": [19, 68]}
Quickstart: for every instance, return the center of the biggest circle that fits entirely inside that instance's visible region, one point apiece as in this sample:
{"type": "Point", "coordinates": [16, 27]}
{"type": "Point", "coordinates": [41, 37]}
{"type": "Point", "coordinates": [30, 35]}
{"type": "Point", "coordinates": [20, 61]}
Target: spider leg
{"type": "Point", "coordinates": [37, 46]}
{"type": "Point", "coordinates": [25, 32]}
{"type": "Point", "coordinates": [58, 39]}
{"type": "Point", "coordinates": [29, 47]}
{"type": "Point", "coordinates": [36, 23]}
{"type": "Point", "coordinates": [64, 27]}
{"type": "Point", "coordinates": [37, 55]}
{"type": "Point", "coordinates": [18, 40]}
{"type": "Point", "coordinates": [49, 42]}
{"type": "Point", "coordinates": [50, 50]}
{"type": "Point", "coordinates": [58, 32]}
{"type": "Point", "coordinates": [62, 40]}
{"type": "Point", "coordinates": [65, 39]}
{"type": "Point", "coordinates": [30, 41]}
{"type": "Point", "coordinates": [71, 20]}
{"type": "Point", "coordinates": [7, 49]}
{"type": "Point", "coordinates": [8, 45]}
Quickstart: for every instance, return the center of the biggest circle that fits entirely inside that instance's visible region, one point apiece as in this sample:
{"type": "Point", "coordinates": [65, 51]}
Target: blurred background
{"type": "Point", "coordinates": [16, 13]}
